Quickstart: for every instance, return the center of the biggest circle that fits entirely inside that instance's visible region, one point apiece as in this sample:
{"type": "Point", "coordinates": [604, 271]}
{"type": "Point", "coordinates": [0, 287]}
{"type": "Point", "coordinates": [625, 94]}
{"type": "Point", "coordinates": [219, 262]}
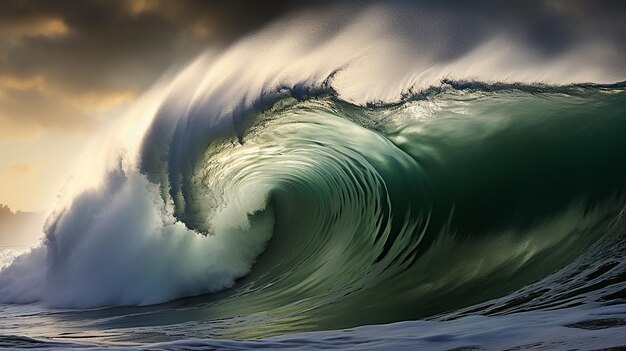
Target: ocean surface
{"type": "Point", "coordinates": [272, 199]}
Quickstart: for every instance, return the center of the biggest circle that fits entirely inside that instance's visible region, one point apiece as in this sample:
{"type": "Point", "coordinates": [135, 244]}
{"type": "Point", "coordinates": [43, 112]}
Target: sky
{"type": "Point", "coordinates": [67, 67]}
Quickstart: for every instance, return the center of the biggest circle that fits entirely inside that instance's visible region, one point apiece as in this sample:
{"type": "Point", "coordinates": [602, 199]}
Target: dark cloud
{"type": "Point", "coordinates": [89, 53]}
{"type": "Point", "coordinates": [86, 53]}
{"type": "Point", "coordinates": [113, 44]}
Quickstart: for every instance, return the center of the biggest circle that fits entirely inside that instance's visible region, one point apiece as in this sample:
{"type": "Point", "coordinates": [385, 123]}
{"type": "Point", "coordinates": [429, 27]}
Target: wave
{"type": "Point", "coordinates": [320, 195]}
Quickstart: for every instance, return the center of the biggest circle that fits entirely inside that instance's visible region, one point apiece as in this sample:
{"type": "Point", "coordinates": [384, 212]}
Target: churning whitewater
{"type": "Point", "coordinates": [311, 194]}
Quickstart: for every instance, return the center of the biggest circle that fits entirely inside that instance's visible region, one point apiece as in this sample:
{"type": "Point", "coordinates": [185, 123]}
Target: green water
{"type": "Point", "coordinates": [398, 212]}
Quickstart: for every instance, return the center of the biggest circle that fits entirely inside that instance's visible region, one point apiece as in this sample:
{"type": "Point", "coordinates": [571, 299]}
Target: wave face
{"type": "Point", "coordinates": [305, 201]}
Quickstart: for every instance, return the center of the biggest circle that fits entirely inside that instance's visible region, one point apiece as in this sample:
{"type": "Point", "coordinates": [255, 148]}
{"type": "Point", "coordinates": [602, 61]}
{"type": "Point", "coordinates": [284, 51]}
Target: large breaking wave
{"type": "Point", "coordinates": [330, 185]}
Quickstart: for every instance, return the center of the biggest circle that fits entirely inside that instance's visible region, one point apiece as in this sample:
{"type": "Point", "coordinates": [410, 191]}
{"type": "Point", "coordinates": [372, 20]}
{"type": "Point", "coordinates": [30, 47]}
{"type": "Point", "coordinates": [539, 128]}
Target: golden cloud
{"type": "Point", "coordinates": [18, 131]}
{"type": "Point", "coordinates": [201, 30]}
{"type": "Point", "coordinates": [101, 101]}
{"type": "Point", "coordinates": [139, 6]}
{"type": "Point", "coordinates": [22, 169]}
{"type": "Point", "coordinates": [30, 105]}
{"type": "Point", "coordinates": [48, 27]}
{"type": "Point", "coordinates": [21, 83]}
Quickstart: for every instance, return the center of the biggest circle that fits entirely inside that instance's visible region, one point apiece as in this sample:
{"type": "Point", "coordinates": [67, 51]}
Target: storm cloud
{"type": "Point", "coordinates": [66, 65]}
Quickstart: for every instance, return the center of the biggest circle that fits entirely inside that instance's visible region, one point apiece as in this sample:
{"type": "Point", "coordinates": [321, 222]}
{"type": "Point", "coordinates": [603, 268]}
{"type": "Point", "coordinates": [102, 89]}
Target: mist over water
{"type": "Point", "coordinates": [308, 180]}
